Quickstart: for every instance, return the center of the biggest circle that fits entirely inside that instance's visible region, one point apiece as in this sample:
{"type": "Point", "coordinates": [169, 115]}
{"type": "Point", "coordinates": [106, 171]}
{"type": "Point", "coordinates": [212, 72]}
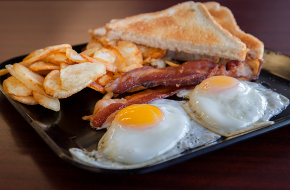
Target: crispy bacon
{"type": "Point", "coordinates": [189, 73]}
{"type": "Point", "coordinates": [101, 114]}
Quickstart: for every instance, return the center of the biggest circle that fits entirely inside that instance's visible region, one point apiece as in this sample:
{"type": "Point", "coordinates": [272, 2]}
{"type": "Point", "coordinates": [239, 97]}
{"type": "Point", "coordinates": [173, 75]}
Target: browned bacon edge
{"type": "Point", "coordinates": [143, 97]}
{"type": "Point", "coordinates": [189, 73]}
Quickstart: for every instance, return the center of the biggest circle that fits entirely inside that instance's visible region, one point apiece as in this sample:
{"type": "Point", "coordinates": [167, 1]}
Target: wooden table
{"type": "Point", "coordinates": [26, 162]}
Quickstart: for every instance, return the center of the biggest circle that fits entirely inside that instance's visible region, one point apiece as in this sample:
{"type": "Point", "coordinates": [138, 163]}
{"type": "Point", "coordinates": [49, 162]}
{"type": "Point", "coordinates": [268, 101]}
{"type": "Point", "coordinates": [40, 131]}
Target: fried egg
{"type": "Point", "coordinates": [143, 134]}
{"type": "Point", "coordinates": [229, 107]}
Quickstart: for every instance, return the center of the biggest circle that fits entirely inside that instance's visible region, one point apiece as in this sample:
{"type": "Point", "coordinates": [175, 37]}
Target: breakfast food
{"type": "Point", "coordinates": [195, 50]}
{"type": "Point", "coordinates": [141, 134]}
{"type": "Point", "coordinates": [186, 27]}
{"type": "Point", "coordinates": [225, 18]}
{"type": "Point", "coordinates": [229, 107]}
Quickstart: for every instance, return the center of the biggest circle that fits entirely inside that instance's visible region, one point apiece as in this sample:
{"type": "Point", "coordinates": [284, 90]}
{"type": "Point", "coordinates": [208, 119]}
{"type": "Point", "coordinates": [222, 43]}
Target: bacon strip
{"type": "Point", "coordinates": [98, 118]}
{"type": "Point", "coordinates": [189, 73]}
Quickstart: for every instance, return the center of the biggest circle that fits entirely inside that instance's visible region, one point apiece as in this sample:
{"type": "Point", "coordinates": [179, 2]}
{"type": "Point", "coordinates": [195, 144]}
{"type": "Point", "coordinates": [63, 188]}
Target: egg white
{"type": "Point", "coordinates": [243, 108]}
{"type": "Point", "coordinates": [191, 136]}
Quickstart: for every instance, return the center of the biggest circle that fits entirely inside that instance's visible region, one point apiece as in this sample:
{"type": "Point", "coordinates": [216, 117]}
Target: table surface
{"type": "Point", "coordinates": [26, 162]}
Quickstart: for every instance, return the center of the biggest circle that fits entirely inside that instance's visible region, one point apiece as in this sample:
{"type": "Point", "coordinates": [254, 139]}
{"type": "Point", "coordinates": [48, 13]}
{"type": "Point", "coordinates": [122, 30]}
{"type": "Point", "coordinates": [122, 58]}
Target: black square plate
{"type": "Point", "coordinates": [65, 129]}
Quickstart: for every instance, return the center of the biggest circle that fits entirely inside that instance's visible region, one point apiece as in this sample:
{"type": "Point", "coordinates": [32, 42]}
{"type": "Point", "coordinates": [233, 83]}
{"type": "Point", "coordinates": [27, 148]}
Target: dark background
{"type": "Point", "coordinates": [26, 162]}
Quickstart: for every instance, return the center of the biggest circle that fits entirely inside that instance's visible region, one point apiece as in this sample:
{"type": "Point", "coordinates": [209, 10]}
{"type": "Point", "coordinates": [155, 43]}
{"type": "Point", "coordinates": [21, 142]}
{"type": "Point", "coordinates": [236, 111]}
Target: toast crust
{"type": "Point", "coordinates": [187, 27]}
{"type": "Point", "coordinates": [225, 18]}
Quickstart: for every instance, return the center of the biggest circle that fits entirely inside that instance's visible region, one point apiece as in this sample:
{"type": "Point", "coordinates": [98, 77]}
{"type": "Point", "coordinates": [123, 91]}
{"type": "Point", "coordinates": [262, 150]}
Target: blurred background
{"type": "Point", "coordinates": [29, 25]}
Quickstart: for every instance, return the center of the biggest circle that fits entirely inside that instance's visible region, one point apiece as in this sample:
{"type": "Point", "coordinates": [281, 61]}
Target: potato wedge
{"type": "Point", "coordinates": [80, 75]}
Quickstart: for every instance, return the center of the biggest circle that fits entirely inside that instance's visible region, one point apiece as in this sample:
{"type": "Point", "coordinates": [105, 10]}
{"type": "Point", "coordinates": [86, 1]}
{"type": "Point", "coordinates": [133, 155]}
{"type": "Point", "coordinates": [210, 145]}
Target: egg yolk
{"type": "Point", "coordinates": [218, 84]}
{"type": "Point", "coordinates": [140, 116]}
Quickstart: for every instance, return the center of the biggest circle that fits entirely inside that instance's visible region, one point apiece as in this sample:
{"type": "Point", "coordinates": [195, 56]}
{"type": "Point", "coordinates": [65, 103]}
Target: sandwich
{"type": "Point", "coordinates": [190, 31]}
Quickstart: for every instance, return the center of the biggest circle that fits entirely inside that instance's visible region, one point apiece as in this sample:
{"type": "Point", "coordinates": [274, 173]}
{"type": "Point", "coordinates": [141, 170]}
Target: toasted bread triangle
{"type": "Point", "coordinates": [226, 19]}
{"type": "Point", "coordinates": [187, 27]}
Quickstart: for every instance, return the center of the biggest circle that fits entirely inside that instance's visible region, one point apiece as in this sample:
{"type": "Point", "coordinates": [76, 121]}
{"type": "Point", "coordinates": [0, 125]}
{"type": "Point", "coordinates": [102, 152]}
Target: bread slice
{"type": "Point", "coordinates": [187, 27]}
{"type": "Point", "coordinates": [225, 18]}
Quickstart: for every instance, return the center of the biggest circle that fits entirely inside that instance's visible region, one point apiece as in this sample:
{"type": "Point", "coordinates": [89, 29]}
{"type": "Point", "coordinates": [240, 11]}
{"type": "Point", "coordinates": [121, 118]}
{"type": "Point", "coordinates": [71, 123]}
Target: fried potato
{"type": "Point", "coordinates": [131, 53]}
{"type": "Point", "coordinates": [47, 102]}
{"type": "Point", "coordinates": [159, 63]}
{"type": "Point", "coordinates": [43, 73]}
{"type": "Point", "coordinates": [109, 95]}
{"type": "Point", "coordinates": [90, 52]}
{"type": "Point", "coordinates": [97, 87]}
{"type": "Point", "coordinates": [32, 54]}
{"type": "Point", "coordinates": [94, 44]}
{"type": "Point", "coordinates": [31, 84]}
{"type": "Point", "coordinates": [119, 62]}
{"type": "Point", "coordinates": [41, 66]}
{"type": "Point", "coordinates": [150, 52]}
{"type": "Point", "coordinates": [105, 55]}
{"type": "Point", "coordinates": [105, 79]}
{"type": "Point", "coordinates": [109, 67]}
{"type": "Point", "coordinates": [98, 32]}
{"type": "Point", "coordinates": [103, 40]}
{"type": "Point", "coordinates": [63, 65]}
{"type": "Point", "coordinates": [28, 74]}
{"type": "Point", "coordinates": [41, 54]}
{"type": "Point", "coordinates": [29, 100]}
{"type": "Point", "coordinates": [255, 65]}
{"type": "Point", "coordinates": [74, 56]}
{"type": "Point", "coordinates": [52, 86]}
{"type": "Point", "coordinates": [15, 87]}
{"type": "Point", "coordinates": [171, 64]}
{"type": "Point", "coordinates": [3, 72]}
{"type": "Point", "coordinates": [57, 58]}
{"type": "Point", "coordinates": [80, 75]}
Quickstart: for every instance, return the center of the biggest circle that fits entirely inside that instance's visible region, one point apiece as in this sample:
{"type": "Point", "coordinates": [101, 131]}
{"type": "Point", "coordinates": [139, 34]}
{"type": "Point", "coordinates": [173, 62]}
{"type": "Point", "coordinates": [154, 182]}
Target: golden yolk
{"type": "Point", "coordinates": [140, 116]}
{"type": "Point", "coordinates": [217, 84]}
